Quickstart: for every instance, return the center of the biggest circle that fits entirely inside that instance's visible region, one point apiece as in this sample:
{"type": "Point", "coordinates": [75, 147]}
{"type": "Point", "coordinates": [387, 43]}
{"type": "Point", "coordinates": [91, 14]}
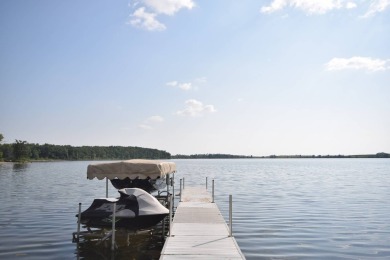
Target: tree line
{"type": "Point", "coordinates": [23, 151]}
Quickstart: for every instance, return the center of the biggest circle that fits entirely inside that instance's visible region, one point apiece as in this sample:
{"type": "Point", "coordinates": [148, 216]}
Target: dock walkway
{"type": "Point", "coordinates": [199, 231]}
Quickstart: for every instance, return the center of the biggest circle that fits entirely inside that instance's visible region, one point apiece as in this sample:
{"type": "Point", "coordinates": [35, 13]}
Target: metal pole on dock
{"type": "Point", "coordinates": [213, 193]}
{"type": "Point", "coordinates": [168, 181]}
{"type": "Point", "coordinates": [180, 188]}
{"type": "Point", "coordinates": [113, 227]}
{"type": "Point", "coordinates": [79, 223]}
{"type": "Point", "coordinates": [173, 190]}
{"type": "Point", "coordinates": [230, 215]}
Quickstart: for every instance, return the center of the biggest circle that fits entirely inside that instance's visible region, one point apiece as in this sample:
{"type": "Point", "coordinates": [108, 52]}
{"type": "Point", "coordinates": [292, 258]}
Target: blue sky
{"type": "Point", "coordinates": [195, 76]}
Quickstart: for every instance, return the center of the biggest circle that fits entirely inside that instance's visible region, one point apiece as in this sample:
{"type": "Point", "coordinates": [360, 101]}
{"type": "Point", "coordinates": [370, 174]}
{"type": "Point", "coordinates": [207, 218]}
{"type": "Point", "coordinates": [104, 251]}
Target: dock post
{"type": "Point", "coordinates": [79, 223]}
{"type": "Point", "coordinates": [213, 193]}
{"type": "Point", "coordinates": [113, 228]}
{"type": "Point", "coordinates": [170, 215]}
{"type": "Point", "coordinates": [106, 187]}
{"type": "Point", "coordinates": [230, 215]}
{"type": "Point", "coordinates": [206, 183]}
{"type": "Point", "coordinates": [173, 190]}
{"type": "Point", "coordinates": [180, 188]}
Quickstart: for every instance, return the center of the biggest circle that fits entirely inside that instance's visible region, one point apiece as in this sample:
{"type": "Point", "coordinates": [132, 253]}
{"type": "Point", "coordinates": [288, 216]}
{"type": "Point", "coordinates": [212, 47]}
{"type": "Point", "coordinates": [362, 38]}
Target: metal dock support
{"type": "Point", "coordinates": [199, 231]}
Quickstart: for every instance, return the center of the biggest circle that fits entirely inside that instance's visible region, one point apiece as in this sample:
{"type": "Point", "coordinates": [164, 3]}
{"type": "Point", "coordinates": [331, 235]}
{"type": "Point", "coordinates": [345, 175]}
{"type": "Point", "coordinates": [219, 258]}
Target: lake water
{"type": "Point", "coordinates": [283, 209]}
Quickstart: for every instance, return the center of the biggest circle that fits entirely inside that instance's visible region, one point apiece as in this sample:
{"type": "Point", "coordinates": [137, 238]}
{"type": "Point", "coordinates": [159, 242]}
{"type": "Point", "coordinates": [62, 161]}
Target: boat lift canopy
{"type": "Point", "coordinates": [133, 169]}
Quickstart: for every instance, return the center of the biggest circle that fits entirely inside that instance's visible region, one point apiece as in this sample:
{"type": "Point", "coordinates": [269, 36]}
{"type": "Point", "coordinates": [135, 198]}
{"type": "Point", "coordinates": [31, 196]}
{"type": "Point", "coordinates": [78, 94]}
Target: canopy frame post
{"type": "Point", "coordinates": [79, 223]}
{"type": "Point", "coordinates": [168, 182]}
{"type": "Point", "coordinates": [113, 228]}
{"type": "Point", "coordinates": [106, 187]}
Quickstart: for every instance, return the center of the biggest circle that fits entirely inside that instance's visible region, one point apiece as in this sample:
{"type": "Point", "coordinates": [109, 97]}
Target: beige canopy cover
{"type": "Point", "coordinates": [132, 169]}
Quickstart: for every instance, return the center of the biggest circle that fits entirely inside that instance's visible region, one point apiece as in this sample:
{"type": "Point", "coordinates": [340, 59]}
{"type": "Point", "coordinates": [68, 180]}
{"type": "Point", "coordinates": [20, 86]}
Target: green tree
{"type": "Point", "coordinates": [21, 151]}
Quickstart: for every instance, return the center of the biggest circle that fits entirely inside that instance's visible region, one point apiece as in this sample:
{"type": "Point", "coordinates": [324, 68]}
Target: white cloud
{"type": "Point", "coordinates": [274, 6]}
{"type": "Point", "coordinates": [350, 5]}
{"type": "Point", "coordinates": [155, 119]}
{"type": "Point", "coordinates": [187, 85]}
{"type": "Point", "coordinates": [145, 16]}
{"type": "Point", "coordinates": [195, 108]}
{"type": "Point", "coordinates": [172, 83]}
{"type": "Point", "coordinates": [377, 6]}
{"type": "Point", "coordinates": [169, 7]}
{"type": "Point", "coordinates": [183, 86]}
{"type": "Point", "coordinates": [358, 63]}
{"type": "Point", "coordinates": [146, 125]}
{"type": "Point", "coordinates": [308, 6]}
{"type": "Point", "coordinates": [142, 19]}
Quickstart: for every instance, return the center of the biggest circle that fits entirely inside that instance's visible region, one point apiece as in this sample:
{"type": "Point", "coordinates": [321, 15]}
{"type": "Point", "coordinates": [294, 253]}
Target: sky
{"type": "Point", "coordinates": [251, 77]}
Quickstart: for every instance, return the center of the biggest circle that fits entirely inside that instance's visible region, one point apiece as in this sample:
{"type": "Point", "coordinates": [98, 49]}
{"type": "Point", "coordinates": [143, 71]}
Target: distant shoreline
{"type": "Point", "coordinates": [249, 158]}
{"type": "Point", "coordinates": [218, 156]}
{"type": "Point", "coordinates": [229, 156]}
{"type": "Point", "coordinates": [202, 158]}
{"type": "Point", "coordinates": [22, 151]}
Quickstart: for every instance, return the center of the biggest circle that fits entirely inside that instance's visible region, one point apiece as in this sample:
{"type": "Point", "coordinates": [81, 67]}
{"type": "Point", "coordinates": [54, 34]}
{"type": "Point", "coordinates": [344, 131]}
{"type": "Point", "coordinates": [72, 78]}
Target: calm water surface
{"type": "Point", "coordinates": [283, 209]}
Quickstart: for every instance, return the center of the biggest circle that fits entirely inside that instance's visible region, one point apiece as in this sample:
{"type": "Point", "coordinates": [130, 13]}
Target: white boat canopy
{"type": "Point", "coordinates": [141, 169]}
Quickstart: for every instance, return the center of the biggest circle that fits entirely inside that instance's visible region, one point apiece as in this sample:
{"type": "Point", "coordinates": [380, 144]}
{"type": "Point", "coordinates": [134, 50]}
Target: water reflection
{"type": "Point", "coordinates": [20, 167]}
{"type": "Point", "coordinates": [144, 246]}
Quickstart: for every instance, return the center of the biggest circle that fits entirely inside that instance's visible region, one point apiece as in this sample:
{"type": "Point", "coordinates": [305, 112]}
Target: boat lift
{"type": "Point", "coordinates": [148, 170]}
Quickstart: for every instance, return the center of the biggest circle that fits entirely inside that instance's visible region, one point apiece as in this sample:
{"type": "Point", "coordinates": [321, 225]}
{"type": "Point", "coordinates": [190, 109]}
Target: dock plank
{"type": "Point", "coordinates": [199, 231]}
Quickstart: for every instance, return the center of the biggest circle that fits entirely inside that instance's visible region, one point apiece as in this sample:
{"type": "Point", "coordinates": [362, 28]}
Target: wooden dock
{"type": "Point", "coordinates": [199, 231]}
